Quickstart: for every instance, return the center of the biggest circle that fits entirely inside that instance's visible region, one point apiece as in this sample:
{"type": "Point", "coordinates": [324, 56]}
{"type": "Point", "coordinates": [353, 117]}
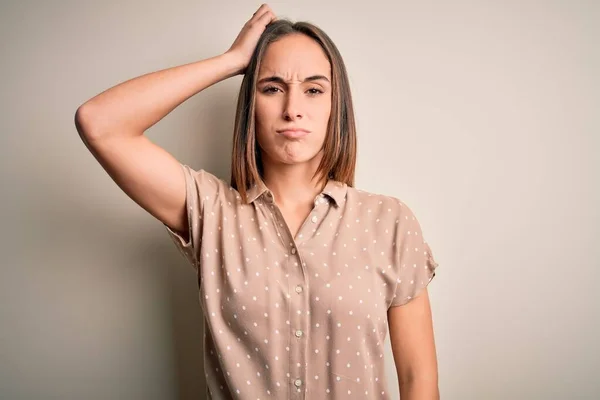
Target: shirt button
{"type": "Point", "coordinates": [298, 289]}
{"type": "Point", "coordinates": [293, 250]}
{"type": "Point", "coordinates": [298, 333]}
{"type": "Point", "coordinates": [314, 218]}
{"type": "Point", "coordinates": [298, 382]}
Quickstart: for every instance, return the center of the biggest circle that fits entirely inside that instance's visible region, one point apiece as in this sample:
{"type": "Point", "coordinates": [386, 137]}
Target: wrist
{"type": "Point", "coordinates": [234, 62]}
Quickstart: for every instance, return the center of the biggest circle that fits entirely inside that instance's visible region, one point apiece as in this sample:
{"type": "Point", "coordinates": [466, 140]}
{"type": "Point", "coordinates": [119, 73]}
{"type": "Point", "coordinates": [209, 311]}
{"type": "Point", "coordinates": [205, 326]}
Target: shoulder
{"type": "Point", "coordinates": [208, 185]}
{"type": "Point", "coordinates": [379, 204]}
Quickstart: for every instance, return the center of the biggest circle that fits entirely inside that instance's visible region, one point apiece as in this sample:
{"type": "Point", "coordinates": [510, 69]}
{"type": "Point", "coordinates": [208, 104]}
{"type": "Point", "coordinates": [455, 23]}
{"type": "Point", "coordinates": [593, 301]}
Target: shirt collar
{"type": "Point", "coordinates": [333, 189]}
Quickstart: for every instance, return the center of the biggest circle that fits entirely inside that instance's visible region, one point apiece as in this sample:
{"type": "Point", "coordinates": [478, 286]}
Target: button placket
{"type": "Point", "coordinates": [299, 322]}
{"type": "Point", "coordinates": [298, 304]}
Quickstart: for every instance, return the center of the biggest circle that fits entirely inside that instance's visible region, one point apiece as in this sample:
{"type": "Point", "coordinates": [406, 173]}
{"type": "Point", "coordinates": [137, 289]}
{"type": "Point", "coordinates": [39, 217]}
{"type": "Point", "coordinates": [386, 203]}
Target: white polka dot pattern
{"type": "Point", "coordinates": [302, 317]}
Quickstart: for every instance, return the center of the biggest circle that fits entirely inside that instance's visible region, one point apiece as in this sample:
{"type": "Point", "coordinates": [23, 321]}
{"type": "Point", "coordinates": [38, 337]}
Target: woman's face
{"type": "Point", "coordinates": [293, 91]}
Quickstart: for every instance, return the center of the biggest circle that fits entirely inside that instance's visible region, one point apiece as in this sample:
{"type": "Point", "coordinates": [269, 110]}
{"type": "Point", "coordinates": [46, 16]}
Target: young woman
{"type": "Point", "coordinates": [300, 274]}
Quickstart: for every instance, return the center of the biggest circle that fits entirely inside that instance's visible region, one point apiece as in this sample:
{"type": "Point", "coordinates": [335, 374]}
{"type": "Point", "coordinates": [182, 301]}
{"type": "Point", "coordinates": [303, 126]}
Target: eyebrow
{"type": "Point", "coordinates": [280, 80]}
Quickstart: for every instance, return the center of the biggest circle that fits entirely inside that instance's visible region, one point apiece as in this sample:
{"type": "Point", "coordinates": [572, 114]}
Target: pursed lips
{"type": "Point", "coordinates": [293, 133]}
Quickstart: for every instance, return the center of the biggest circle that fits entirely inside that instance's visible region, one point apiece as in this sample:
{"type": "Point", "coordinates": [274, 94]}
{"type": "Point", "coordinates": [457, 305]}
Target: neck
{"type": "Point", "coordinates": [292, 185]}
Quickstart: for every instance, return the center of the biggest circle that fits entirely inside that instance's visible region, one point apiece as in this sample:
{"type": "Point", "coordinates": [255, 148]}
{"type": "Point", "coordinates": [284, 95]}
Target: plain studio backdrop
{"type": "Point", "coordinates": [482, 116]}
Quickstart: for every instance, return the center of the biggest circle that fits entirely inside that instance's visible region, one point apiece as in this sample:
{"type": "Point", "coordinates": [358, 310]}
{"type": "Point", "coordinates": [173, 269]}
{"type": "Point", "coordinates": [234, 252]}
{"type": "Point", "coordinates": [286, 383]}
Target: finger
{"type": "Point", "coordinates": [266, 18]}
{"type": "Point", "coordinates": [259, 13]}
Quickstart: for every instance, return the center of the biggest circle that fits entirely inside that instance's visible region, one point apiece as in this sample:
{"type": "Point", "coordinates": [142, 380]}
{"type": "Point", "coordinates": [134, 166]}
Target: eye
{"type": "Point", "coordinates": [273, 89]}
{"type": "Point", "coordinates": [268, 89]}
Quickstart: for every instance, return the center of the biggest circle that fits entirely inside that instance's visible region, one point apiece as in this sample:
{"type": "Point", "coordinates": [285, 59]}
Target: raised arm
{"type": "Point", "coordinates": [112, 124]}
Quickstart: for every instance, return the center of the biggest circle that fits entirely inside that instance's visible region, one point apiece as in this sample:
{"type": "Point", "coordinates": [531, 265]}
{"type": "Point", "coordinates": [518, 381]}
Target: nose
{"type": "Point", "coordinates": [293, 103]}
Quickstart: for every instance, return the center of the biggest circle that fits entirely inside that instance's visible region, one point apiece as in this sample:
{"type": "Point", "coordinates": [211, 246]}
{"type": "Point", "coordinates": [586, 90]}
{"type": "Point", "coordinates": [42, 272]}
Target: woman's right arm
{"type": "Point", "coordinates": [130, 108]}
{"type": "Point", "coordinates": [112, 124]}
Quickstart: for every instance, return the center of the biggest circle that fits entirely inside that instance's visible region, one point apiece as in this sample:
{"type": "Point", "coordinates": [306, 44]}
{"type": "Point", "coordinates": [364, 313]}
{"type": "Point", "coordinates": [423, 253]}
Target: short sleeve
{"type": "Point", "coordinates": [415, 265]}
{"type": "Point", "coordinates": [199, 186]}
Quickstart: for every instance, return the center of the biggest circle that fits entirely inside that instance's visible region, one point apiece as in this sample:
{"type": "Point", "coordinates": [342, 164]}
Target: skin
{"type": "Point", "coordinates": [289, 165]}
{"type": "Point", "coordinates": [112, 126]}
{"type": "Point", "coordinates": [413, 347]}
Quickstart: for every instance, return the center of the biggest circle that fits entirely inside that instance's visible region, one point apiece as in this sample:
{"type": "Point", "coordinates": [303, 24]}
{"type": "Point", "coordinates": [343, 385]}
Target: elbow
{"type": "Point", "coordinates": [93, 123]}
{"type": "Point", "coordinates": [422, 377]}
{"type": "Point", "coordinates": [419, 387]}
{"type": "Point", "coordinates": [83, 121]}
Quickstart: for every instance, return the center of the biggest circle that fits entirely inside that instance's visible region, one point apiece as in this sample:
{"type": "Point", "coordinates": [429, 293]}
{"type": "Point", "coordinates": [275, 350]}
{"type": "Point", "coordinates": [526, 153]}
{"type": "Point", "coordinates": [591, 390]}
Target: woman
{"type": "Point", "coordinates": [299, 273]}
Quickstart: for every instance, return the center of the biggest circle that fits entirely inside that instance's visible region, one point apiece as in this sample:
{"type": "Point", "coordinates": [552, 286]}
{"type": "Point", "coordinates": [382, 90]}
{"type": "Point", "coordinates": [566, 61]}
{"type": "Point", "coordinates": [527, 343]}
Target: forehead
{"type": "Point", "coordinates": [295, 56]}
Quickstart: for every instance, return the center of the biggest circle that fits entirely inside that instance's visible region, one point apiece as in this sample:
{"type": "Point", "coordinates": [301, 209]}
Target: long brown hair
{"type": "Point", "coordinates": [339, 149]}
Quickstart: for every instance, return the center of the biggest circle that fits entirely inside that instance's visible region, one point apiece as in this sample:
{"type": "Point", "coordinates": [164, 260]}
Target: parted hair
{"type": "Point", "coordinates": [339, 148]}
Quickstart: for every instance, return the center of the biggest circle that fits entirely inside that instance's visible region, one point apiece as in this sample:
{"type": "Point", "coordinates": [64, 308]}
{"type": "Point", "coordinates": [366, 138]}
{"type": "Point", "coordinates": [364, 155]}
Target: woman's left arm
{"type": "Point", "coordinates": [413, 346]}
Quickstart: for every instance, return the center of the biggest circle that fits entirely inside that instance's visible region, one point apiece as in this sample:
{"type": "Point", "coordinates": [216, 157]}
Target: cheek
{"type": "Point", "coordinates": [263, 111]}
{"type": "Point", "coordinates": [323, 117]}
{"type": "Point", "coordinates": [259, 113]}
{"type": "Point", "coordinates": [263, 122]}
{"type": "Point", "coordinates": [323, 112]}
{"type": "Point", "coordinates": [265, 140]}
{"type": "Point", "coordinates": [261, 140]}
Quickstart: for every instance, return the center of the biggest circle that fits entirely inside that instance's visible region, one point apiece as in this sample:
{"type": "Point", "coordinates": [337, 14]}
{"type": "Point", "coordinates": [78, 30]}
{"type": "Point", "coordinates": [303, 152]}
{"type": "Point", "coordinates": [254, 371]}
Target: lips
{"type": "Point", "coordinates": [293, 133]}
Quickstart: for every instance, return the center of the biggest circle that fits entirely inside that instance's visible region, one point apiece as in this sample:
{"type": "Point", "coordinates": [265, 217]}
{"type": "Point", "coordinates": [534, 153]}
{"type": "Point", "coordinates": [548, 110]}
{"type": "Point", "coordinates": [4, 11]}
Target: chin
{"type": "Point", "coordinates": [294, 154]}
{"type": "Point", "coordinates": [298, 158]}
{"type": "Point", "coordinates": [288, 156]}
